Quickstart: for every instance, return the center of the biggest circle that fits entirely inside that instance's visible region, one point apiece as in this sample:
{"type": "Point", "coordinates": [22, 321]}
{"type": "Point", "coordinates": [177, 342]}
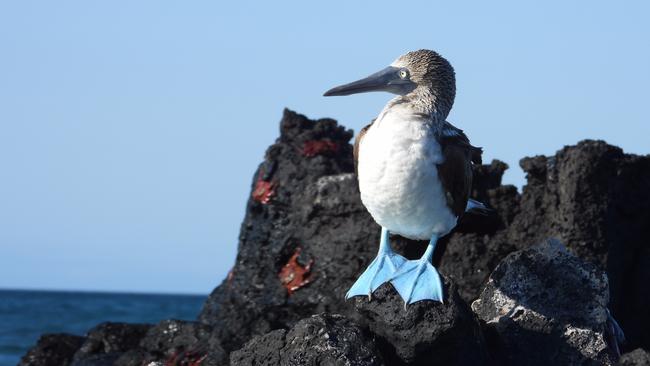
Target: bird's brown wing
{"type": "Point", "coordinates": [357, 142]}
{"type": "Point", "coordinates": [455, 172]}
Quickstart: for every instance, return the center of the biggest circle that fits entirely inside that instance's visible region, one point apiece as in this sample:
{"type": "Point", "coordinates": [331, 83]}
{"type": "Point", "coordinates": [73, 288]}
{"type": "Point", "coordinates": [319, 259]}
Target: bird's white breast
{"type": "Point", "coordinates": [398, 177]}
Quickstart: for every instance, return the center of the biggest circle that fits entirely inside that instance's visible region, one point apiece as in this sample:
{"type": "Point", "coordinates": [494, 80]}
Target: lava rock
{"type": "Point", "coordinates": [469, 258]}
{"type": "Point", "coordinates": [594, 198]}
{"type": "Point", "coordinates": [99, 359]}
{"type": "Point", "coordinates": [136, 357]}
{"type": "Point", "coordinates": [543, 305]}
{"type": "Point", "coordinates": [306, 238]}
{"type": "Point", "coordinates": [638, 357]}
{"type": "Point", "coordinates": [313, 219]}
{"type": "Point", "coordinates": [170, 334]}
{"type": "Point", "coordinates": [261, 350]}
{"type": "Point", "coordinates": [425, 332]}
{"type": "Point", "coordinates": [52, 350]}
{"type": "Point", "coordinates": [177, 342]}
{"type": "Point", "coordinates": [319, 340]}
{"type": "Point", "coordinates": [312, 234]}
{"type": "Point", "coordinates": [566, 197]}
{"type": "Point", "coordinates": [109, 340]}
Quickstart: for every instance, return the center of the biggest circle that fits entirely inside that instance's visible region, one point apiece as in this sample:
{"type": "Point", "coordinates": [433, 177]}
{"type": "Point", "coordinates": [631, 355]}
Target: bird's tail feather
{"type": "Point", "coordinates": [478, 208]}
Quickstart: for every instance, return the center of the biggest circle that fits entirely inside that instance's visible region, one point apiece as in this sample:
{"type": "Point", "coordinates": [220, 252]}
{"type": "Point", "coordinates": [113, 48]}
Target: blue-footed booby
{"type": "Point", "coordinates": [414, 170]}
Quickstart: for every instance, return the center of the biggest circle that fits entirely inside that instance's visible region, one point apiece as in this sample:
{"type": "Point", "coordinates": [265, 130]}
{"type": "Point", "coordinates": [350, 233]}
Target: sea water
{"type": "Point", "coordinates": [25, 315]}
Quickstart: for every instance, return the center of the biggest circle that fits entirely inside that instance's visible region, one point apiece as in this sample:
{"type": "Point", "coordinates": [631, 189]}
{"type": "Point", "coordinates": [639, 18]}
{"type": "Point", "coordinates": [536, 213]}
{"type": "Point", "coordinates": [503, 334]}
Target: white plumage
{"type": "Point", "coordinates": [398, 178]}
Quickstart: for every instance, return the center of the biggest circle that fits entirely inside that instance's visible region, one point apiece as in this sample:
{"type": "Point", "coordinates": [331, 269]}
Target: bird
{"type": "Point", "coordinates": [414, 170]}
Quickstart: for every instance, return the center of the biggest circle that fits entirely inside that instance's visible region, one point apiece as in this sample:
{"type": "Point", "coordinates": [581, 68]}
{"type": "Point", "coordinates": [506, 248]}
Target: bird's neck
{"type": "Point", "coordinates": [423, 102]}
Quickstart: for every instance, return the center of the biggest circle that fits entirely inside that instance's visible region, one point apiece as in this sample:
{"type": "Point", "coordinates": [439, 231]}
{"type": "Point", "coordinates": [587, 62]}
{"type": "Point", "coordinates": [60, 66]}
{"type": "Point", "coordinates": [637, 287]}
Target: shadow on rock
{"type": "Point", "coordinates": [426, 332]}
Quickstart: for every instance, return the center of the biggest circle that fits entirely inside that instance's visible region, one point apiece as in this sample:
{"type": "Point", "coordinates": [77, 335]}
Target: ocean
{"type": "Point", "coordinates": [25, 315]}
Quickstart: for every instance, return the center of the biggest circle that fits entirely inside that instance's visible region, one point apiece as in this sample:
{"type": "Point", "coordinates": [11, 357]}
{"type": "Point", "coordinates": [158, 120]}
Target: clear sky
{"type": "Point", "coordinates": [130, 130]}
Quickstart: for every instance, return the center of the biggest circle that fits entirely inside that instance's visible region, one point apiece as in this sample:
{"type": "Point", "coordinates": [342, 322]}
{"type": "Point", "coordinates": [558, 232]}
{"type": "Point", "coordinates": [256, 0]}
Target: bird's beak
{"type": "Point", "coordinates": [385, 80]}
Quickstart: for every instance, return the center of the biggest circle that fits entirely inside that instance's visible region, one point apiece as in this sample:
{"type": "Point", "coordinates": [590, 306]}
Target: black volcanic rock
{"type": "Point", "coordinates": [567, 197]}
{"type": "Point", "coordinates": [314, 214]}
{"type": "Point", "coordinates": [108, 341]}
{"type": "Point", "coordinates": [595, 199]}
{"type": "Point", "coordinates": [306, 237]}
{"type": "Point", "coordinates": [98, 359]}
{"type": "Point", "coordinates": [177, 342]}
{"type": "Point", "coordinates": [264, 350]}
{"type": "Point", "coordinates": [591, 196]}
{"type": "Point", "coordinates": [173, 334]}
{"type": "Point", "coordinates": [174, 342]}
{"type": "Point", "coordinates": [545, 306]}
{"type": "Point", "coordinates": [136, 357]}
{"type": "Point", "coordinates": [318, 340]}
{"type": "Point", "coordinates": [426, 332]}
{"type": "Point", "coordinates": [52, 350]}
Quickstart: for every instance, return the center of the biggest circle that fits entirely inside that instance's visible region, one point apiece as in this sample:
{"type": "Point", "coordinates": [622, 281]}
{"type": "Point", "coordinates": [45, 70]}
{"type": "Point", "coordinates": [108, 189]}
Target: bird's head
{"type": "Point", "coordinates": [421, 76]}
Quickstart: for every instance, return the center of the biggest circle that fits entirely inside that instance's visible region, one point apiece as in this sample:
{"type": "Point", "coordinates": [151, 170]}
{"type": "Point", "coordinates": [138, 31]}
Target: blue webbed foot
{"type": "Point", "coordinates": [380, 271]}
{"type": "Point", "coordinates": [418, 280]}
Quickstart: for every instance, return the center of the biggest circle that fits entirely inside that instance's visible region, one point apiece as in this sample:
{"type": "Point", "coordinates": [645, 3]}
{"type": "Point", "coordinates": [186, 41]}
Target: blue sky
{"type": "Point", "coordinates": [130, 130]}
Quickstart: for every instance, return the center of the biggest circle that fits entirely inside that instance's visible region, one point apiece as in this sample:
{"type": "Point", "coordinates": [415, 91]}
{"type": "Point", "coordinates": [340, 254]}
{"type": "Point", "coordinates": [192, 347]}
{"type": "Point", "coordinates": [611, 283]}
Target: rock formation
{"type": "Point", "coordinates": [544, 306]}
{"type": "Point", "coordinates": [306, 237]}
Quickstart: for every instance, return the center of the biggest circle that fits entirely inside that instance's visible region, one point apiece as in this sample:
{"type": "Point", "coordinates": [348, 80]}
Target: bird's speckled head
{"type": "Point", "coordinates": [423, 79]}
{"type": "Point", "coordinates": [434, 76]}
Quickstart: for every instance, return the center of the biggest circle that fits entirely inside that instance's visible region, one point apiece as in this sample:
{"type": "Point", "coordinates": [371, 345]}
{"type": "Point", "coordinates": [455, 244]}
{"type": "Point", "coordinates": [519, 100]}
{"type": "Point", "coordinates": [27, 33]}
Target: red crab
{"type": "Point", "coordinates": [319, 147]}
{"type": "Point", "coordinates": [293, 275]}
{"type": "Point", "coordinates": [263, 190]}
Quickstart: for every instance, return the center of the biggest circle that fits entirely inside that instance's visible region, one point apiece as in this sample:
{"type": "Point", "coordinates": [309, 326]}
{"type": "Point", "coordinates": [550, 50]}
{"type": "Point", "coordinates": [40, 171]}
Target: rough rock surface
{"type": "Point", "coordinates": [425, 333]}
{"type": "Point", "coordinates": [108, 341]}
{"type": "Point", "coordinates": [306, 237]}
{"type": "Point", "coordinates": [590, 196]}
{"type": "Point", "coordinates": [547, 307]}
{"type": "Point", "coordinates": [595, 199]}
{"type": "Point", "coordinates": [638, 357]}
{"type": "Point", "coordinates": [319, 340]}
{"type": "Point", "coordinates": [316, 212]}
{"type": "Point", "coordinates": [176, 342]}
{"type": "Point", "coordinates": [52, 350]}
{"type": "Point", "coordinates": [99, 359]}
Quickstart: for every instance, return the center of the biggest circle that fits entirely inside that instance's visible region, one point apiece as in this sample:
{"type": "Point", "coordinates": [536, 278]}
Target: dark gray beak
{"type": "Point", "coordinates": [387, 80]}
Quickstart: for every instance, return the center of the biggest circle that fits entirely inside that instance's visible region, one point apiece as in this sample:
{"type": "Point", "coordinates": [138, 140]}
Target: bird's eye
{"type": "Point", "coordinates": [403, 74]}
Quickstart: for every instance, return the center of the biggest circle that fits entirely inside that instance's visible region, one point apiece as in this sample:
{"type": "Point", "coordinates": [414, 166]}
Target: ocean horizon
{"type": "Point", "coordinates": [27, 314]}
